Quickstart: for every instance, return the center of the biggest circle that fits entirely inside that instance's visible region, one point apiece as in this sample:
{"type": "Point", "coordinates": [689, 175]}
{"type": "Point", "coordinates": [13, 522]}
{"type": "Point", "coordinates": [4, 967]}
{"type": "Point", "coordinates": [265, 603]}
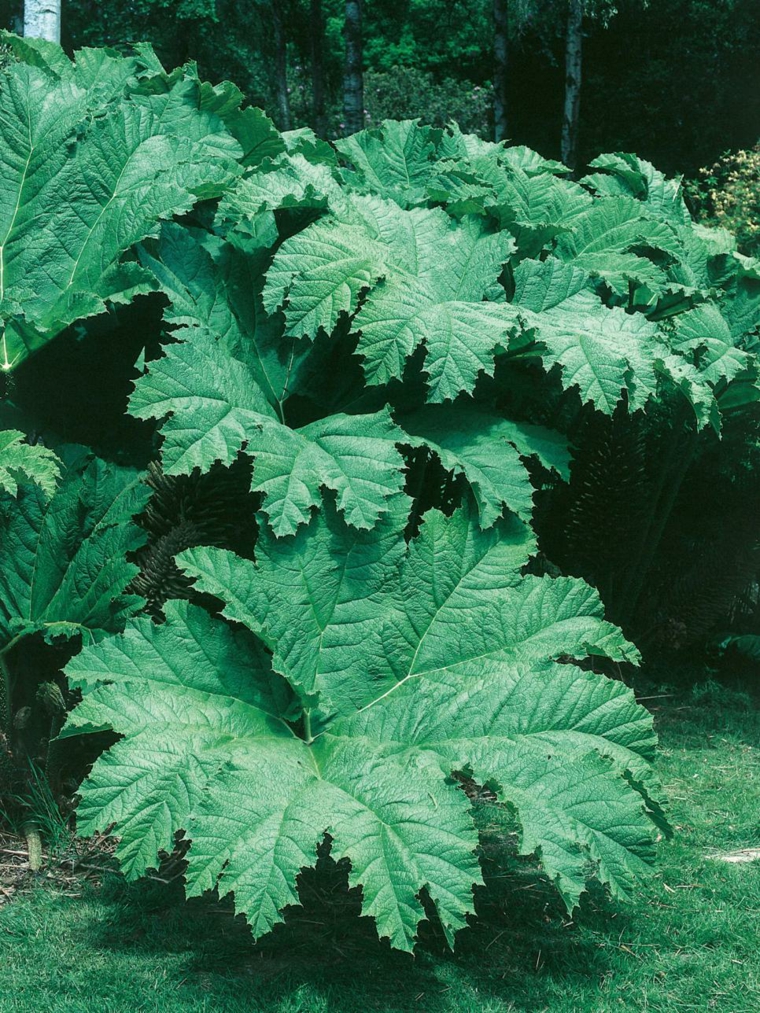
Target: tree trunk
{"type": "Point", "coordinates": [281, 66]}
{"type": "Point", "coordinates": [42, 19]}
{"type": "Point", "coordinates": [501, 26]}
{"type": "Point", "coordinates": [573, 56]}
{"type": "Point", "coordinates": [317, 28]}
{"type": "Point", "coordinates": [353, 81]}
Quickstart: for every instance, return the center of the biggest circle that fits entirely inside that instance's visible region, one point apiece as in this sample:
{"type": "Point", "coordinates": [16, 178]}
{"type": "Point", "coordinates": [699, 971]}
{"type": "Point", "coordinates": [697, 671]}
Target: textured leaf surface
{"type": "Point", "coordinates": [206, 752]}
{"type": "Point", "coordinates": [596, 262]}
{"type": "Point", "coordinates": [289, 182]}
{"type": "Point", "coordinates": [402, 609]}
{"type": "Point", "coordinates": [601, 351]}
{"type": "Point", "coordinates": [482, 448]}
{"type": "Point", "coordinates": [91, 164]}
{"type": "Point", "coordinates": [215, 288]}
{"type": "Point", "coordinates": [707, 333]}
{"type": "Point", "coordinates": [257, 136]}
{"type": "Point", "coordinates": [216, 410]}
{"type": "Point", "coordinates": [435, 277]}
{"type": "Point", "coordinates": [320, 273]}
{"type": "Point", "coordinates": [394, 160]}
{"type": "Point", "coordinates": [410, 663]}
{"type": "Point", "coordinates": [62, 559]}
{"type": "Point", "coordinates": [605, 236]}
{"type": "Point", "coordinates": [21, 462]}
{"type": "Point", "coordinates": [556, 772]}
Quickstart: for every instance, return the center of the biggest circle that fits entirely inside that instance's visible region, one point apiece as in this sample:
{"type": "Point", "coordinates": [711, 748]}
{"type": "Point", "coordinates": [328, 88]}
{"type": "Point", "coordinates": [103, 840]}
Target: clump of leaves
{"type": "Point", "coordinates": [63, 565]}
{"type": "Point", "coordinates": [360, 323]}
{"type": "Point", "coordinates": [393, 667]}
{"type": "Point", "coordinates": [95, 153]}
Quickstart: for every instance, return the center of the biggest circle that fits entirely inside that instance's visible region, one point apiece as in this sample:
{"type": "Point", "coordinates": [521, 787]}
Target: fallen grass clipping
{"type": "Point", "coordinates": [75, 938]}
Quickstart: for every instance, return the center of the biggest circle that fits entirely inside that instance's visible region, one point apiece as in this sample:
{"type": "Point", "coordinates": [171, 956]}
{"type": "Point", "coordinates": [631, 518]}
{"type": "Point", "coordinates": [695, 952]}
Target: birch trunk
{"type": "Point", "coordinates": [281, 67]}
{"type": "Point", "coordinates": [317, 27]}
{"type": "Point", "coordinates": [42, 20]}
{"type": "Point", "coordinates": [500, 69]}
{"type": "Point", "coordinates": [353, 82]}
{"type": "Point", "coordinates": [573, 64]}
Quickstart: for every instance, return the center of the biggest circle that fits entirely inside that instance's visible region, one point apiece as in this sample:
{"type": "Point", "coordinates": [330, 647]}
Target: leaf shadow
{"type": "Point", "coordinates": [521, 947]}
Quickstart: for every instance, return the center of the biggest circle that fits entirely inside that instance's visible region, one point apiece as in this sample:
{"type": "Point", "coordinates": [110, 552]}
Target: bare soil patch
{"type": "Point", "coordinates": [65, 870]}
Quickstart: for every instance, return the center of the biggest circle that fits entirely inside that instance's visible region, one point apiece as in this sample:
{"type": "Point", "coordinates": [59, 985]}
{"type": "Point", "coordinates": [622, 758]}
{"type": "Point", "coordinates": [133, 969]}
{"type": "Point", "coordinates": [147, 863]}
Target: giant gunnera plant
{"type": "Point", "coordinates": [359, 330]}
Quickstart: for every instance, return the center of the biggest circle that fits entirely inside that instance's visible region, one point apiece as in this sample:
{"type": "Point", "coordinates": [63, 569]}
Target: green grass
{"type": "Point", "coordinates": [687, 942]}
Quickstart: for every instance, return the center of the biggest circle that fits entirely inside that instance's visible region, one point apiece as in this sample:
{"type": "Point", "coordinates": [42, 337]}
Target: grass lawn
{"type": "Point", "coordinates": [690, 940]}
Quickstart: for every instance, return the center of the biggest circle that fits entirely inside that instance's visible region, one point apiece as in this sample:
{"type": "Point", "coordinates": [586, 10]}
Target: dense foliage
{"type": "Point", "coordinates": [401, 92]}
{"type": "Point", "coordinates": [355, 341]}
{"type": "Point", "coordinates": [673, 81]}
{"type": "Point", "coordinates": [727, 193]}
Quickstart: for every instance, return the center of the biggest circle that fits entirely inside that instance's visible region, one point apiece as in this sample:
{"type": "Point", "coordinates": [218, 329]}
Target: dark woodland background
{"type": "Point", "coordinates": [677, 81]}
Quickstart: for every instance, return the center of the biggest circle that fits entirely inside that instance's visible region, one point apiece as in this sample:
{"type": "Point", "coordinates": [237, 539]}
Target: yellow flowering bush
{"type": "Point", "coordinates": [728, 194]}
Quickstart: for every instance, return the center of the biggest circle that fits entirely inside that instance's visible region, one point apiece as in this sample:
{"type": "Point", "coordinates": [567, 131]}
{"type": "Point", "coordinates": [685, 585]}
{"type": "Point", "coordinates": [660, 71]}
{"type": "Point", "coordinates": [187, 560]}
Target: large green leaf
{"type": "Point", "coordinates": [63, 566]}
{"type": "Point", "coordinates": [214, 287]}
{"type": "Point", "coordinates": [400, 608]}
{"type": "Point", "coordinates": [436, 275]}
{"type": "Point", "coordinates": [410, 664]}
{"type": "Point", "coordinates": [289, 182]}
{"type": "Point", "coordinates": [625, 173]}
{"type": "Point", "coordinates": [88, 170]}
{"type": "Point", "coordinates": [601, 351]}
{"type": "Point", "coordinates": [319, 274]}
{"type": "Point", "coordinates": [205, 751]}
{"type": "Point", "coordinates": [705, 332]}
{"type": "Point", "coordinates": [605, 237]}
{"type": "Point", "coordinates": [316, 597]}
{"type": "Point", "coordinates": [216, 410]}
{"type": "Point", "coordinates": [394, 160]}
{"type": "Point", "coordinates": [487, 450]}
{"type": "Point", "coordinates": [257, 136]}
{"type": "Point", "coordinates": [505, 724]}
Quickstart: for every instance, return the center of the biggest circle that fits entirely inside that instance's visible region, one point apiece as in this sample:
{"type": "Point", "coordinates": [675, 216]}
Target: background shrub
{"type": "Point", "coordinates": [406, 93]}
{"type": "Point", "coordinates": [727, 193]}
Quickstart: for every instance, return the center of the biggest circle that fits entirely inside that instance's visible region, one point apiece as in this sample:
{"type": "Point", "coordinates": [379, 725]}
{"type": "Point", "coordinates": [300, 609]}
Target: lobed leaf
{"type": "Point", "coordinates": [216, 410]}
{"type": "Point", "coordinates": [92, 162]}
{"type": "Point", "coordinates": [63, 566]}
{"type": "Point", "coordinates": [22, 462]}
{"type": "Point", "coordinates": [410, 663]}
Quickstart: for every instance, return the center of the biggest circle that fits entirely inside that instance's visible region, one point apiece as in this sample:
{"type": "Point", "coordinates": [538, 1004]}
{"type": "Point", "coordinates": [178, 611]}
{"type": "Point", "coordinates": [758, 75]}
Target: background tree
{"type": "Point", "coordinates": [317, 47]}
{"type": "Point", "coordinates": [42, 19]}
{"type": "Point", "coordinates": [353, 86]}
{"type": "Point", "coordinates": [573, 64]}
{"type": "Point", "coordinates": [275, 11]}
{"type": "Point", "coordinates": [500, 68]}
{"type": "Point", "coordinates": [677, 82]}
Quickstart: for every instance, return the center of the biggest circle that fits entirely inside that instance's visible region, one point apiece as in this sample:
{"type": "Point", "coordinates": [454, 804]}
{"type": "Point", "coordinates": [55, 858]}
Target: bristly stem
{"type": "Point", "coordinates": [47, 626]}
{"type": "Point", "coordinates": [307, 726]}
{"type": "Point", "coordinates": [11, 643]}
{"type": "Point", "coordinates": [5, 694]}
{"type": "Point", "coordinates": [671, 479]}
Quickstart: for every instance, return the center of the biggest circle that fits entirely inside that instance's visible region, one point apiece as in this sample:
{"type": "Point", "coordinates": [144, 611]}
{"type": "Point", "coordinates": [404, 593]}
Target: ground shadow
{"type": "Point", "coordinates": [521, 936]}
